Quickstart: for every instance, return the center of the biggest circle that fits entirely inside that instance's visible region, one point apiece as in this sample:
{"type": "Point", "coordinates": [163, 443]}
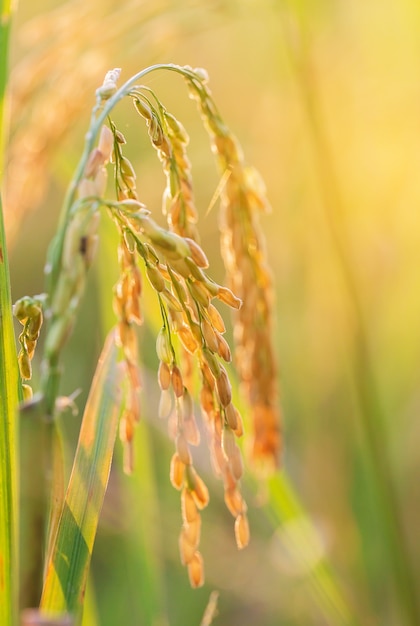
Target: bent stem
{"type": "Point", "coordinates": [100, 113]}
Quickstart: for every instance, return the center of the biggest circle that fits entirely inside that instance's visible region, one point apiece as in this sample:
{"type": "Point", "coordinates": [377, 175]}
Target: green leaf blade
{"type": "Point", "coordinates": [69, 559]}
{"type": "Point", "coordinates": [286, 510]}
{"type": "Point", "coordinates": [9, 401]}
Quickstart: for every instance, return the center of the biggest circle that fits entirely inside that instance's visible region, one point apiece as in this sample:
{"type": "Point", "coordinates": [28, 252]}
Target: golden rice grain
{"type": "Point", "coordinates": [163, 347]}
{"type": "Point", "coordinates": [207, 400]}
{"type": "Point", "coordinates": [187, 338]}
{"type": "Point", "coordinates": [223, 348]}
{"type": "Point", "coordinates": [177, 471]}
{"type": "Point", "coordinates": [224, 388]}
{"type": "Point", "coordinates": [186, 548]}
{"type": "Point", "coordinates": [236, 463]}
{"type": "Point", "coordinates": [177, 382]}
{"type": "Point", "coordinates": [196, 570]}
{"type": "Point", "coordinates": [192, 531]}
{"type": "Point", "coordinates": [242, 531]}
{"type": "Point", "coordinates": [226, 295]}
{"type": "Point", "coordinates": [27, 392]}
{"type": "Point", "coordinates": [209, 336]}
{"type": "Point", "coordinates": [199, 490]}
{"type": "Point", "coordinates": [231, 414]}
{"type": "Point", "coordinates": [156, 279]}
{"type": "Point", "coordinates": [199, 293]}
{"type": "Point", "coordinates": [188, 506]}
{"type": "Point", "coordinates": [228, 442]}
{"type": "Point", "coordinates": [183, 449]}
{"type": "Point", "coordinates": [197, 253]}
{"type": "Point", "coordinates": [216, 319]}
{"type": "Point", "coordinates": [25, 367]}
{"type": "Point", "coordinates": [164, 375]}
{"type": "Point", "coordinates": [234, 501]}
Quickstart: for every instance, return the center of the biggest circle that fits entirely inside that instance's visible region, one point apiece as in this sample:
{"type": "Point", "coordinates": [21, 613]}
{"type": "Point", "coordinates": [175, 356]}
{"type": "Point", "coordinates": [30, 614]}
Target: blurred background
{"type": "Point", "coordinates": [324, 97]}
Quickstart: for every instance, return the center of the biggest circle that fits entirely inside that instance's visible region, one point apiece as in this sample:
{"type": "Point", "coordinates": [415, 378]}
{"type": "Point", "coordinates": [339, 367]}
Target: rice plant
{"type": "Point", "coordinates": [211, 388]}
{"type": "Point", "coordinates": [191, 333]}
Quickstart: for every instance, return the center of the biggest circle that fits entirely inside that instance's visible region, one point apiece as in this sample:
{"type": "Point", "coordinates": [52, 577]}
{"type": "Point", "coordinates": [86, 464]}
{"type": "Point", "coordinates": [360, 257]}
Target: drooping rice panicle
{"type": "Point", "coordinates": [175, 265]}
{"type": "Point", "coordinates": [243, 249]}
{"type": "Point", "coordinates": [170, 139]}
{"type": "Point", "coordinates": [191, 322]}
{"type": "Point", "coordinates": [127, 308]}
{"type": "Point", "coordinates": [188, 316]}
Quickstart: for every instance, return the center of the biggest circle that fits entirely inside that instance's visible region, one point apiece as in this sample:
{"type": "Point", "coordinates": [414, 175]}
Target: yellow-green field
{"type": "Point", "coordinates": [324, 98]}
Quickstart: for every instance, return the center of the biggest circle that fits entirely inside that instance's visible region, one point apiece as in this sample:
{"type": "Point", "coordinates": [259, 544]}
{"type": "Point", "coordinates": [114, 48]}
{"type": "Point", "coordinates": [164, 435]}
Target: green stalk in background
{"type": "Point", "coordinates": [9, 385]}
{"type": "Point", "coordinates": [5, 25]}
{"type": "Point", "coordinates": [9, 400]}
{"type": "Point", "coordinates": [377, 458]}
{"type": "Point", "coordinates": [294, 524]}
{"type": "Point", "coordinates": [71, 547]}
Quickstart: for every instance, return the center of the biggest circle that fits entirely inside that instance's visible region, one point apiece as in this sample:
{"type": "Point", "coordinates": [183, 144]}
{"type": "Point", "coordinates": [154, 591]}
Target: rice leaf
{"type": "Point", "coordinates": [69, 560]}
{"type": "Point", "coordinates": [303, 542]}
{"type": "Point", "coordinates": [9, 399]}
{"type": "Point", "coordinates": [5, 22]}
{"type": "Point", "coordinates": [9, 384]}
{"type": "Point", "coordinates": [90, 610]}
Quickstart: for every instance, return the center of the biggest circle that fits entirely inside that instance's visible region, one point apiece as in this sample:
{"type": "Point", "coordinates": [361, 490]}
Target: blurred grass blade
{"type": "Point", "coordinates": [9, 399]}
{"type": "Point", "coordinates": [90, 609]}
{"type": "Point", "coordinates": [9, 385]}
{"type": "Point", "coordinates": [5, 22]}
{"type": "Point", "coordinates": [69, 560]}
{"type": "Point", "coordinates": [303, 542]}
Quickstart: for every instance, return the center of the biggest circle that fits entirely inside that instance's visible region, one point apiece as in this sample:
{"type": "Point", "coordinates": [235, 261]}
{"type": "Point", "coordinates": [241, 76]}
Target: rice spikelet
{"type": "Point", "coordinates": [242, 244]}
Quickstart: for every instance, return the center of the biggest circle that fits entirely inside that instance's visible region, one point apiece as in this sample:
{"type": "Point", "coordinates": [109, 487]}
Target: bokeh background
{"type": "Point", "coordinates": [325, 99]}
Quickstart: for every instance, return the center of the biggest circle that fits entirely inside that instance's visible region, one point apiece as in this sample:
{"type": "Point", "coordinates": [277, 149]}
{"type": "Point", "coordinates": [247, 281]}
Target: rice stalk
{"type": "Point", "coordinates": [9, 383]}
{"type": "Point", "coordinates": [175, 266]}
{"type": "Point", "coordinates": [9, 401]}
{"type": "Point", "coordinates": [211, 609]}
{"type": "Point", "coordinates": [372, 421]}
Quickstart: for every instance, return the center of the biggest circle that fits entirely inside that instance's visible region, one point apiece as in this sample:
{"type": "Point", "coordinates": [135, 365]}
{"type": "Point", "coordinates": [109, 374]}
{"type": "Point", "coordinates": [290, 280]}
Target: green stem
{"type": "Point", "coordinates": [371, 411]}
{"type": "Point", "coordinates": [304, 543]}
{"type": "Point", "coordinates": [9, 384]}
{"type": "Point", "coordinates": [9, 402]}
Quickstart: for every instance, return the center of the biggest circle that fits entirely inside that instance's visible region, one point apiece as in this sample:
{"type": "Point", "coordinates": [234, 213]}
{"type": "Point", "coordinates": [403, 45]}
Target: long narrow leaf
{"type": "Point", "coordinates": [9, 384]}
{"type": "Point", "coordinates": [305, 547]}
{"type": "Point", "coordinates": [9, 398]}
{"type": "Point", "coordinates": [6, 7]}
{"type": "Point", "coordinates": [69, 560]}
